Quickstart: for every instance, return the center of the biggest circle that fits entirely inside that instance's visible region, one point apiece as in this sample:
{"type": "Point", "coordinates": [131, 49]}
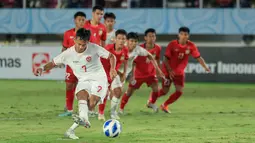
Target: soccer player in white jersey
{"type": "Point", "coordinates": [84, 60]}
{"type": "Point", "coordinates": [134, 51]}
{"type": "Point", "coordinates": [109, 21]}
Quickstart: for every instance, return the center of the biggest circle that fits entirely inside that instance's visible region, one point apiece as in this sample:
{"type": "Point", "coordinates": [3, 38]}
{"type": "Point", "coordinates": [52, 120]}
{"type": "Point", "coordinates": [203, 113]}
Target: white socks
{"type": "Point", "coordinates": [83, 110]}
{"type": "Point", "coordinates": [83, 113]}
{"type": "Point", "coordinates": [114, 104]}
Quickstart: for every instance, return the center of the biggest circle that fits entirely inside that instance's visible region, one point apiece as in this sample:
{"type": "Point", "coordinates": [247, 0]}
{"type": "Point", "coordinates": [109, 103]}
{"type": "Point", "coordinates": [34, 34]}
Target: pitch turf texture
{"type": "Point", "coordinates": [206, 113]}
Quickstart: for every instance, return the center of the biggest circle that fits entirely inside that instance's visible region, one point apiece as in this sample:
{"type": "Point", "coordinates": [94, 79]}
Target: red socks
{"type": "Point", "coordinates": [173, 98]}
{"type": "Point", "coordinates": [124, 101]}
{"type": "Point", "coordinates": [153, 97]}
{"type": "Point", "coordinates": [101, 107]}
{"type": "Point", "coordinates": [69, 99]}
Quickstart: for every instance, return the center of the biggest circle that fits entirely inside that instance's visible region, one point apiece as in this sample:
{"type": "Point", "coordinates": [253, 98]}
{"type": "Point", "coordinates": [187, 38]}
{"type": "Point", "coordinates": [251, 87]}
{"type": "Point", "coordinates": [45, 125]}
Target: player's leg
{"type": "Point", "coordinates": [179, 84]}
{"type": "Point", "coordinates": [116, 87]}
{"type": "Point", "coordinates": [82, 118]}
{"type": "Point", "coordinates": [166, 83]}
{"type": "Point", "coordinates": [101, 107]}
{"type": "Point", "coordinates": [133, 85]}
{"type": "Point", "coordinates": [153, 83]}
{"type": "Point", "coordinates": [71, 82]}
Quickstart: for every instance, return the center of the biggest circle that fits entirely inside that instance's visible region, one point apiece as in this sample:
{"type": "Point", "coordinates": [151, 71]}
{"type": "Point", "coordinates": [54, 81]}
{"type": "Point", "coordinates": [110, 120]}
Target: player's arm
{"type": "Point", "coordinates": [203, 64]}
{"type": "Point", "coordinates": [58, 60]}
{"type": "Point", "coordinates": [155, 64]}
{"type": "Point", "coordinates": [102, 52]}
{"type": "Point", "coordinates": [196, 54]}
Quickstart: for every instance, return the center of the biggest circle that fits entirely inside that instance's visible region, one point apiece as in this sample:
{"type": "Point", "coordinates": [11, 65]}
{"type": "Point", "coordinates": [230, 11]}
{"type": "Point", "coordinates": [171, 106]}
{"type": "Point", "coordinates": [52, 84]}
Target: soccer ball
{"type": "Point", "coordinates": [112, 128]}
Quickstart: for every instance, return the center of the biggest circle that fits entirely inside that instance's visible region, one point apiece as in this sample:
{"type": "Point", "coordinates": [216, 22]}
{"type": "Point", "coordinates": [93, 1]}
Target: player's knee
{"type": "Point", "coordinates": [165, 90]}
{"type": "Point", "coordinates": [117, 92]}
{"type": "Point", "coordinates": [155, 88]}
{"type": "Point", "coordinates": [82, 95]}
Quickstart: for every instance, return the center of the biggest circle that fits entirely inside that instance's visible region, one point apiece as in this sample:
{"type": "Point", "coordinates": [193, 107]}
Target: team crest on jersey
{"type": "Point", "coordinates": [187, 51]}
{"type": "Point", "coordinates": [100, 31]}
{"type": "Point", "coordinates": [88, 59]}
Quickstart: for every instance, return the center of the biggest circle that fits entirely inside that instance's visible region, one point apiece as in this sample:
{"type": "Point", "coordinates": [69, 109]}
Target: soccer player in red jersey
{"type": "Point", "coordinates": [121, 53]}
{"type": "Point", "coordinates": [70, 79]}
{"type": "Point", "coordinates": [145, 70]}
{"type": "Point", "coordinates": [97, 29]}
{"type": "Point", "coordinates": [176, 59]}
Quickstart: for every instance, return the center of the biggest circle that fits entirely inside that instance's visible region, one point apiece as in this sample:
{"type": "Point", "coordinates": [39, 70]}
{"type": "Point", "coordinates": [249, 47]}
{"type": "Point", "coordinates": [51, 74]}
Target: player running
{"type": "Point", "coordinates": [175, 62]}
{"type": "Point", "coordinates": [148, 64]}
{"type": "Point", "coordinates": [70, 79]}
{"type": "Point", "coordinates": [97, 29]}
{"type": "Point", "coordinates": [121, 53]}
{"type": "Point", "coordinates": [84, 59]}
{"type": "Point", "coordinates": [109, 21]}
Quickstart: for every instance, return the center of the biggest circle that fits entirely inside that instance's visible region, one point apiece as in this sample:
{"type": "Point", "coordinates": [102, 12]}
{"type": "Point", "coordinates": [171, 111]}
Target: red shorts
{"type": "Point", "coordinates": [70, 77]}
{"type": "Point", "coordinates": [139, 81]}
{"type": "Point", "coordinates": [177, 80]}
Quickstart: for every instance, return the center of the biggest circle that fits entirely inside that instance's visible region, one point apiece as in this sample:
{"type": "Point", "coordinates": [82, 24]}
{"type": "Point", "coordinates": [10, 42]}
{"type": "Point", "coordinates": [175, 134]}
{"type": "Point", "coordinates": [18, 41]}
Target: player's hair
{"type": "Point", "coordinates": [109, 15]}
{"type": "Point", "coordinates": [150, 30]}
{"type": "Point", "coordinates": [184, 29]}
{"type": "Point", "coordinates": [79, 13]}
{"type": "Point", "coordinates": [133, 35]}
{"type": "Point", "coordinates": [97, 7]}
{"type": "Point", "coordinates": [83, 34]}
{"type": "Point", "coordinates": [120, 31]}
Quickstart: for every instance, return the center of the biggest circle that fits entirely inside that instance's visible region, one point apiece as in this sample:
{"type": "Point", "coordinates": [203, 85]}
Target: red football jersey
{"type": "Point", "coordinates": [121, 56]}
{"type": "Point", "coordinates": [68, 40]}
{"type": "Point", "coordinates": [144, 67]}
{"type": "Point", "coordinates": [98, 32]}
{"type": "Point", "coordinates": [179, 56]}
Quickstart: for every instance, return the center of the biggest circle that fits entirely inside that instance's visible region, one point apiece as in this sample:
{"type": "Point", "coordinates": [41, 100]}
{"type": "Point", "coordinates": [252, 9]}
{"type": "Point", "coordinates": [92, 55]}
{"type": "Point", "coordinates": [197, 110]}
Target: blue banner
{"type": "Point", "coordinates": [165, 21]}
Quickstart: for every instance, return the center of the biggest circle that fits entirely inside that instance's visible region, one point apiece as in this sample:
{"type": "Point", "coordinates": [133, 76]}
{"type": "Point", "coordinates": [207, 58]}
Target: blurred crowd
{"type": "Point", "coordinates": [125, 3]}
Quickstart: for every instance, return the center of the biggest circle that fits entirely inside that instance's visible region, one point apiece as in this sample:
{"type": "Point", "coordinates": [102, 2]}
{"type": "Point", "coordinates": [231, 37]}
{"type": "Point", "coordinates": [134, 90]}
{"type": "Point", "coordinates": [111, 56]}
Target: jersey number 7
{"type": "Point", "coordinates": [85, 68]}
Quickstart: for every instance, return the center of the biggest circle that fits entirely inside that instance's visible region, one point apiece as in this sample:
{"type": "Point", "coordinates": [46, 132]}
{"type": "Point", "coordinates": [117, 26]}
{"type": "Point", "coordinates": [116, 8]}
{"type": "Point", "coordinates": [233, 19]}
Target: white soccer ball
{"type": "Point", "coordinates": [112, 128]}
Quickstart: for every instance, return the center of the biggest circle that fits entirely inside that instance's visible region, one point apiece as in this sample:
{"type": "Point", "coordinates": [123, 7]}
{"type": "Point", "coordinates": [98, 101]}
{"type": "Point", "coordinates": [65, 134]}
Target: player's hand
{"type": "Point", "coordinates": [207, 70]}
{"type": "Point", "coordinates": [161, 74]}
{"type": "Point", "coordinates": [122, 77]}
{"type": "Point", "coordinates": [171, 74]}
{"type": "Point", "coordinates": [113, 73]}
{"type": "Point", "coordinates": [38, 72]}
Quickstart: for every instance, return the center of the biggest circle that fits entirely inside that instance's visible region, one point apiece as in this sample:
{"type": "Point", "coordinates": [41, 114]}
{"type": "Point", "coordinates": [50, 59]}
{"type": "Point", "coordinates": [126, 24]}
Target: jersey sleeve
{"type": "Point", "coordinates": [142, 52]}
{"type": "Point", "coordinates": [61, 58]}
{"type": "Point", "coordinates": [102, 52]}
{"type": "Point", "coordinates": [194, 52]}
{"type": "Point", "coordinates": [168, 50]}
{"type": "Point", "coordinates": [65, 40]}
{"type": "Point", "coordinates": [158, 53]}
{"type": "Point", "coordinates": [104, 34]}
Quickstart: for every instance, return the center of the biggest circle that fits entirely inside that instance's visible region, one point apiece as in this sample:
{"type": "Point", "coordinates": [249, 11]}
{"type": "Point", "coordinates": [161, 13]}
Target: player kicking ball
{"type": "Point", "coordinates": [176, 59]}
{"type": "Point", "coordinates": [70, 79]}
{"type": "Point", "coordinates": [121, 53]}
{"type": "Point", "coordinates": [84, 60]}
{"type": "Point", "coordinates": [150, 67]}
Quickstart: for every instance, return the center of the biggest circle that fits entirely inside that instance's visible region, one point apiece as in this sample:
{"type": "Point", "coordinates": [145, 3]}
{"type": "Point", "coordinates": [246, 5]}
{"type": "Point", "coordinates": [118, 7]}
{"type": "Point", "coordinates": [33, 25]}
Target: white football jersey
{"type": "Point", "coordinates": [86, 65]}
{"type": "Point", "coordinates": [110, 37]}
{"type": "Point", "coordinates": [138, 51]}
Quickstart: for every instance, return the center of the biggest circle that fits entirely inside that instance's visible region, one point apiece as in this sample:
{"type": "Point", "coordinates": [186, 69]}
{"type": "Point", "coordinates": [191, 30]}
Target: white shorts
{"type": "Point", "coordinates": [116, 83]}
{"type": "Point", "coordinates": [98, 88]}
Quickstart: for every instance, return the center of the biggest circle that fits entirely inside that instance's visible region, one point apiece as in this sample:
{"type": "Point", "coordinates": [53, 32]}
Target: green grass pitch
{"type": "Point", "coordinates": [206, 113]}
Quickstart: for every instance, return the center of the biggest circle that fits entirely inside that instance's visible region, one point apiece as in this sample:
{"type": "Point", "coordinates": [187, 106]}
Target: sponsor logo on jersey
{"type": "Point", "coordinates": [187, 51]}
{"type": "Point", "coordinates": [40, 59]}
